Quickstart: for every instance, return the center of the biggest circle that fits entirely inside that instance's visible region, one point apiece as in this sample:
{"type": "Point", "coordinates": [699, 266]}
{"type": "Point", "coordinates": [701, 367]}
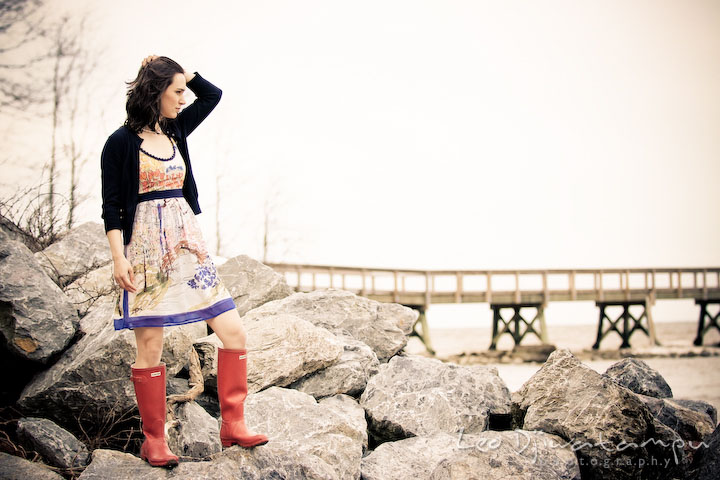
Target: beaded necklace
{"type": "Point", "coordinates": [158, 158]}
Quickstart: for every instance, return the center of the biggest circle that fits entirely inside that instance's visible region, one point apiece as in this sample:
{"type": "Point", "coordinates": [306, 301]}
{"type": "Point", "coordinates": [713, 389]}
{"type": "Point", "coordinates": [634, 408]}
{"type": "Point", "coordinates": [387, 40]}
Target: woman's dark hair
{"type": "Point", "coordinates": [144, 94]}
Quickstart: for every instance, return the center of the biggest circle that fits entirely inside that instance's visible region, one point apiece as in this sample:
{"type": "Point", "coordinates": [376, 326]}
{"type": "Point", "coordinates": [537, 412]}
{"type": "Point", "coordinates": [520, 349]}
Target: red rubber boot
{"type": "Point", "coordinates": [150, 393]}
{"type": "Point", "coordinates": [232, 391]}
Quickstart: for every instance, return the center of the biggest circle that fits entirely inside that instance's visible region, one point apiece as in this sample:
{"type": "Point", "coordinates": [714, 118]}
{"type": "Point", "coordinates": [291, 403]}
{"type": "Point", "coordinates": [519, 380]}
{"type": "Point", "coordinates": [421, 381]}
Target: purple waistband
{"type": "Point", "coordinates": [177, 192]}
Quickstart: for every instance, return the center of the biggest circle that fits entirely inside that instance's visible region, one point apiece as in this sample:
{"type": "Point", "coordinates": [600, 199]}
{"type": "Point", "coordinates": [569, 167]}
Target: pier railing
{"type": "Point", "coordinates": [423, 287]}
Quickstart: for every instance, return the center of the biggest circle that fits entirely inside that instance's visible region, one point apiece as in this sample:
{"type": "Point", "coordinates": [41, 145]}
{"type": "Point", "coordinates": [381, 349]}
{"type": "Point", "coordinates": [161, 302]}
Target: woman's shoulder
{"type": "Point", "coordinates": [122, 133]}
{"type": "Point", "coordinates": [120, 141]}
{"type": "Point", "coordinates": [122, 136]}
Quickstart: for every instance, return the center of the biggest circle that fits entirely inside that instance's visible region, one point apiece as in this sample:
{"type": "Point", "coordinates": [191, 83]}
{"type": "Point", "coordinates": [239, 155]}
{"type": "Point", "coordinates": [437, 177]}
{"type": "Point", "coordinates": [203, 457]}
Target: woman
{"type": "Point", "coordinates": [160, 260]}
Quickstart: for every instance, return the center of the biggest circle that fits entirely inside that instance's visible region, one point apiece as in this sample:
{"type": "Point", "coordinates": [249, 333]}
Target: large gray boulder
{"type": "Point", "coordinates": [414, 395]}
{"type": "Point", "coordinates": [639, 377]}
{"type": "Point", "coordinates": [349, 375]}
{"type": "Point", "coordinates": [92, 287]}
{"type": "Point", "coordinates": [92, 378]}
{"type": "Point", "coordinates": [347, 408]}
{"type": "Point", "coordinates": [56, 445]}
{"type": "Point", "coordinates": [706, 464]}
{"type": "Point", "coordinates": [611, 427]}
{"type": "Point", "coordinates": [307, 439]}
{"type": "Point", "coordinates": [384, 327]}
{"type": "Point", "coordinates": [37, 321]}
{"type": "Point", "coordinates": [16, 468]}
{"type": "Point", "coordinates": [82, 249]}
{"type": "Point", "coordinates": [195, 433]}
{"type": "Point", "coordinates": [699, 406]}
{"type": "Point", "coordinates": [13, 232]}
{"type": "Point", "coordinates": [111, 464]}
{"type": "Point", "coordinates": [251, 283]}
{"type": "Point", "coordinates": [281, 350]}
{"type": "Point", "coordinates": [486, 455]}
{"type": "Point", "coordinates": [693, 427]}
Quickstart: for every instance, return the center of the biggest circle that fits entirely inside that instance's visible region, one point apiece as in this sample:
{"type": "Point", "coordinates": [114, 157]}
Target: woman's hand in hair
{"type": "Point", "coordinates": [148, 59]}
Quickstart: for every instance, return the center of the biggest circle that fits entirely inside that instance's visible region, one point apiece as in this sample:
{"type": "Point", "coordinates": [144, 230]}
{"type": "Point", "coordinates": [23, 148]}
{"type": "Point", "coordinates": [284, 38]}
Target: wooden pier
{"type": "Point", "coordinates": [515, 289]}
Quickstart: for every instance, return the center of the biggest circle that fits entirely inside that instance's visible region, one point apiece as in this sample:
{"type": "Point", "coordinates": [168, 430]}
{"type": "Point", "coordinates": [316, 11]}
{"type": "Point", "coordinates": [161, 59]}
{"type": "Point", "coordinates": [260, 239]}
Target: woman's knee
{"type": "Point", "coordinates": [230, 329]}
{"type": "Point", "coordinates": [234, 331]}
{"type": "Point", "coordinates": [149, 344]}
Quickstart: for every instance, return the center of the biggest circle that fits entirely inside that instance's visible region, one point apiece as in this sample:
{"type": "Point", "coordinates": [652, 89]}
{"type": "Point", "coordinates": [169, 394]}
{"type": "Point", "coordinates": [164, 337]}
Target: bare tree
{"type": "Point", "coordinates": [20, 28]}
{"type": "Point", "coordinates": [66, 66]}
{"type": "Point", "coordinates": [274, 238]}
{"type": "Point", "coordinates": [71, 66]}
{"type": "Point", "coordinates": [25, 216]}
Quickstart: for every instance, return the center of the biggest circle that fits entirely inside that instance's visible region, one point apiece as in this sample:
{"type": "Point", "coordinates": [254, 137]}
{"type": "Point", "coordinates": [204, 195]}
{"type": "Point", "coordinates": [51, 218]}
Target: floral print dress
{"type": "Point", "coordinates": [176, 279]}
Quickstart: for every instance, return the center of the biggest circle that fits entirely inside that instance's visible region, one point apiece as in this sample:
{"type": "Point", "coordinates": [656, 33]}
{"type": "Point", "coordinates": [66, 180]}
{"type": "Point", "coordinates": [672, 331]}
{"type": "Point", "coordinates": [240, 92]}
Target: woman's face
{"type": "Point", "coordinates": [173, 98]}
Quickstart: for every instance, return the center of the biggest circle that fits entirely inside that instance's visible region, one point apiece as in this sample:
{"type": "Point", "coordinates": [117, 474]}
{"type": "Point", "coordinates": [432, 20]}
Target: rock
{"type": "Point", "coordinates": [349, 409]}
{"type": "Point", "coordinates": [316, 441]}
{"type": "Point", "coordinates": [611, 427]}
{"type": "Point", "coordinates": [413, 395]}
{"type": "Point", "coordinates": [637, 375]}
{"type": "Point", "coordinates": [92, 379]}
{"type": "Point", "coordinates": [349, 375]}
{"type": "Point", "coordinates": [206, 347]}
{"type": "Point", "coordinates": [177, 386]}
{"type": "Point", "coordinates": [56, 445]}
{"type": "Point", "coordinates": [382, 326]}
{"type": "Point", "coordinates": [677, 460]}
{"type": "Point", "coordinates": [307, 439]}
{"type": "Point", "coordinates": [251, 283]}
{"type": "Point", "coordinates": [196, 433]}
{"type": "Point", "coordinates": [699, 406]}
{"type": "Point", "coordinates": [10, 231]}
{"type": "Point", "coordinates": [707, 459]}
{"type": "Point", "coordinates": [692, 426]}
{"type": "Point", "coordinates": [208, 402]}
{"type": "Point", "coordinates": [97, 318]}
{"type": "Point", "coordinates": [281, 349]}
{"type": "Point", "coordinates": [16, 468]}
{"type": "Point", "coordinates": [82, 249]}
{"type": "Point", "coordinates": [37, 321]}
{"type": "Point", "coordinates": [88, 289]}
{"type": "Point", "coordinates": [487, 455]}
{"type": "Point", "coordinates": [110, 464]}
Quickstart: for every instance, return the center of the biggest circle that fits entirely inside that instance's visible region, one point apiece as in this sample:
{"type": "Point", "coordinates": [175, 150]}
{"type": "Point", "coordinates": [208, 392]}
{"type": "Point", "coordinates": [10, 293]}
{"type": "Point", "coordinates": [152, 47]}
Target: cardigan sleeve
{"type": "Point", "coordinates": [111, 173]}
{"type": "Point", "coordinates": [208, 96]}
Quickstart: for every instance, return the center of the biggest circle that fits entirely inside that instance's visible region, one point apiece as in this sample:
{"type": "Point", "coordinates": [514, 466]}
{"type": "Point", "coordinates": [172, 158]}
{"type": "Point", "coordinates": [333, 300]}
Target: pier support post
{"type": "Point", "coordinates": [712, 319]}
{"type": "Point", "coordinates": [625, 324]}
{"type": "Point", "coordinates": [424, 334]}
{"type": "Point", "coordinates": [517, 326]}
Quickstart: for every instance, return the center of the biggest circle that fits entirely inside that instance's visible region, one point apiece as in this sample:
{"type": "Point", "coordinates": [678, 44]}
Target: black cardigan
{"type": "Point", "coordinates": [120, 160]}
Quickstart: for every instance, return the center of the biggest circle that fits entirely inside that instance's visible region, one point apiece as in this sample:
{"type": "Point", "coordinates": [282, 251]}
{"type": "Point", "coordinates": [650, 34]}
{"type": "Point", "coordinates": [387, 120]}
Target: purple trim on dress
{"type": "Point", "coordinates": [176, 319]}
{"type": "Point", "coordinates": [126, 315]}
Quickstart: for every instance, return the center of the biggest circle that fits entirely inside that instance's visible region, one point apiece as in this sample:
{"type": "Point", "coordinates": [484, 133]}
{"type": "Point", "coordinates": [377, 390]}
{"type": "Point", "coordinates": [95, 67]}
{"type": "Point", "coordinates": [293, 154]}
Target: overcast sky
{"type": "Point", "coordinates": [442, 134]}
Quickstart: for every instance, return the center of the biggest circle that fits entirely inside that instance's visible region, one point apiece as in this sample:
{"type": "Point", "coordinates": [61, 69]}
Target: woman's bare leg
{"type": "Point", "coordinates": [230, 329]}
{"type": "Point", "coordinates": [149, 346]}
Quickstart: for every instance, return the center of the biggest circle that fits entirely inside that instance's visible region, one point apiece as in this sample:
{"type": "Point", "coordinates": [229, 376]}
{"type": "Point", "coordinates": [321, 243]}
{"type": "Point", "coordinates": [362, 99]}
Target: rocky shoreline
{"type": "Point", "coordinates": [540, 353]}
{"type": "Point", "coordinates": [330, 384]}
